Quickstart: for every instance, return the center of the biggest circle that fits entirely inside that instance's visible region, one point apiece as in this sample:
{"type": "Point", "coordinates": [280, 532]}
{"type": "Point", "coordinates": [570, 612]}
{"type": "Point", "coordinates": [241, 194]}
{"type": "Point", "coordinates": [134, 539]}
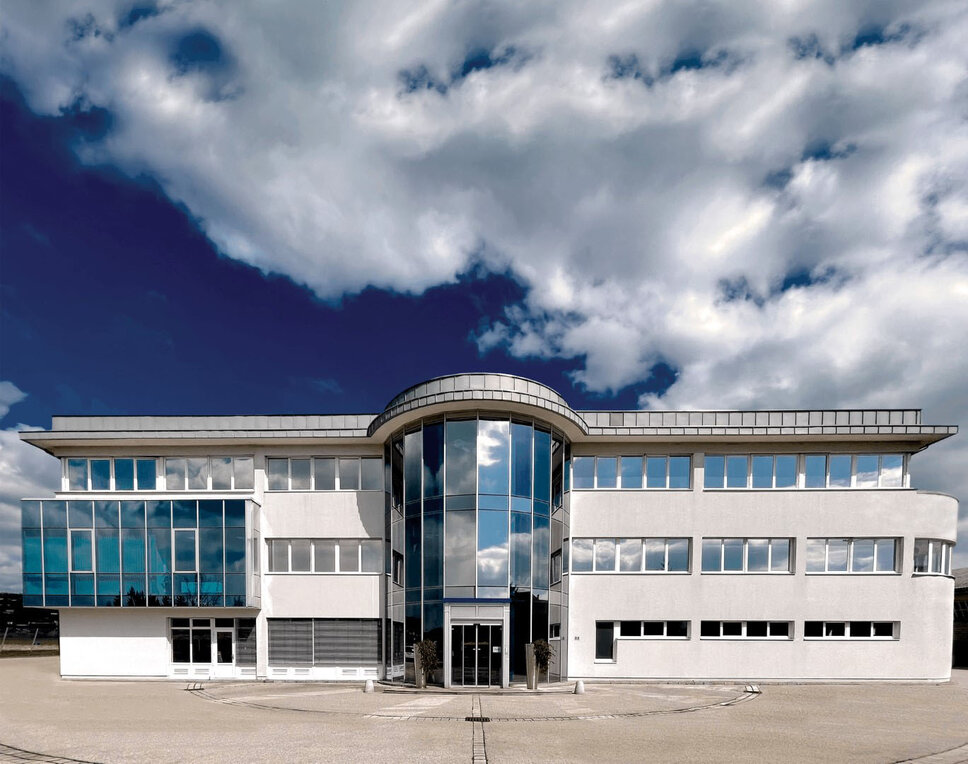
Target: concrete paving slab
{"type": "Point", "coordinates": [44, 718]}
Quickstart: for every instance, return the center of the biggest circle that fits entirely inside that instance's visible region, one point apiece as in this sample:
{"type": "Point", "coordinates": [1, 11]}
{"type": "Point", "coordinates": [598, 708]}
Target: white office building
{"type": "Point", "coordinates": [482, 512]}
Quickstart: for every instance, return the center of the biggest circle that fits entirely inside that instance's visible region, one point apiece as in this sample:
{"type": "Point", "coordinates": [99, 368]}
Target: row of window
{"type": "Point", "coordinates": [196, 473]}
{"type": "Point", "coordinates": [755, 555]}
{"type": "Point", "coordinates": [232, 641]}
{"type": "Point", "coordinates": [608, 632]}
{"type": "Point", "coordinates": [324, 474]}
{"type": "Point", "coordinates": [325, 555]}
{"type": "Point", "coordinates": [223, 473]}
{"type": "Point", "coordinates": [759, 471]}
{"type": "Point", "coordinates": [804, 471]}
{"type": "Point", "coordinates": [631, 472]}
{"type": "Point", "coordinates": [932, 556]}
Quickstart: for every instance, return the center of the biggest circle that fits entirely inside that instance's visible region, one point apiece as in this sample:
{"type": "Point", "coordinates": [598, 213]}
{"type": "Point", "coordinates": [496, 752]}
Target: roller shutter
{"type": "Point", "coordinates": [290, 641]}
{"type": "Point", "coordinates": [347, 642]}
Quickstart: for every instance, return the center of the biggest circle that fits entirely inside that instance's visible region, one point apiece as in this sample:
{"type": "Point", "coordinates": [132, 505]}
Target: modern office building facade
{"type": "Point", "coordinates": [482, 512]}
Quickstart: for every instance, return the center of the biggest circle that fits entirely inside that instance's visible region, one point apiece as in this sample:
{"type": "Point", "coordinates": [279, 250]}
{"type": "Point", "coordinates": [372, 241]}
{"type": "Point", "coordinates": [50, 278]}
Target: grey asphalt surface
{"type": "Point", "coordinates": [111, 721]}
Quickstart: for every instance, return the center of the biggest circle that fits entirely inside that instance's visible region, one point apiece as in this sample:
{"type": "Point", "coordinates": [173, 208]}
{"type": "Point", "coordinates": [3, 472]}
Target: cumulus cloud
{"type": "Point", "coordinates": [769, 198]}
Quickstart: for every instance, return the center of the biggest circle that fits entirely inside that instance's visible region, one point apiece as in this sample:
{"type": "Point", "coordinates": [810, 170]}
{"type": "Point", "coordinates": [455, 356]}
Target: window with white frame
{"type": "Point", "coordinates": [852, 555]}
{"type": "Point", "coordinates": [932, 557]}
{"type": "Point", "coordinates": [746, 630]}
{"type": "Point", "coordinates": [630, 555]}
{"type": "Point", "coordinates": [110, 474]}
{"type": "Point", "coordinates": [209, 473]}
{"type": "Point", "coordinates": [744, 555]}
{"type": "Point", "coordinates": [325, 555]}
{"type": "Point", "coordinates": [770, 471]}
{"type": "Point", "coordinates": [654, 629]}
{"type": "Point", "coordinates": [631, 472]}
{"type": "Point", "coordinates": [851, 630]}
{"type": "Point", "coordinates": [330, 473]}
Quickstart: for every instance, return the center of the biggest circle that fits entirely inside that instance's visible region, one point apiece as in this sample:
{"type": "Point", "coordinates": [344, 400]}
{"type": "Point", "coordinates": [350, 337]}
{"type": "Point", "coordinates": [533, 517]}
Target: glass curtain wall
{"type": "Point", "coordinates": [469, 505]}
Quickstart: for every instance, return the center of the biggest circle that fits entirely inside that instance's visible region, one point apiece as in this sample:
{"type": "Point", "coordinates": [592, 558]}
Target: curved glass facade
{"type": "Point", "coordinates": [471, 504]}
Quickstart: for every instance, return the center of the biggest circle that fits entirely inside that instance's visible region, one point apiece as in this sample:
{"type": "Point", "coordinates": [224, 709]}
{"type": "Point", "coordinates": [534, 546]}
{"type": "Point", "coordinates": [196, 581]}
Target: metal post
{"type": "Point", "coordinates": [34, 643]}
{"type": "Point", "coordinates": [4, 641]}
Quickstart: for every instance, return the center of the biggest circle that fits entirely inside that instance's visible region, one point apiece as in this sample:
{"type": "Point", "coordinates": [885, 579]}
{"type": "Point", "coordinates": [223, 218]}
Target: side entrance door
{"type": "Point", "coordinates": [476, 654]}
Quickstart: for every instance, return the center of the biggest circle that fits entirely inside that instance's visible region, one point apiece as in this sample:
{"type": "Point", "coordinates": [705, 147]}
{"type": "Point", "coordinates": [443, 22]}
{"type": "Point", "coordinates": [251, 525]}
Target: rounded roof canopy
{"type": "Point", "coordinates": [454, 392]}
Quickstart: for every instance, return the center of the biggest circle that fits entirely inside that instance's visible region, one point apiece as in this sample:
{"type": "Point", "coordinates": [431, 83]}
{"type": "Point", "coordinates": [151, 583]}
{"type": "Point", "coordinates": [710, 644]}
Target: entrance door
{"type": "Point", "coordinates": [224, 653]}
{"type": "Point", "coordinates": [476, 654]}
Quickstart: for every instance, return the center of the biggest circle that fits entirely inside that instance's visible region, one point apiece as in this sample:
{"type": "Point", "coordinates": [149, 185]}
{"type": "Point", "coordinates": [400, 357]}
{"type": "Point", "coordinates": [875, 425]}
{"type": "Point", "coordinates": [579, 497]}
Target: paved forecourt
{"type": "Point", "coordinates": [107, 721]}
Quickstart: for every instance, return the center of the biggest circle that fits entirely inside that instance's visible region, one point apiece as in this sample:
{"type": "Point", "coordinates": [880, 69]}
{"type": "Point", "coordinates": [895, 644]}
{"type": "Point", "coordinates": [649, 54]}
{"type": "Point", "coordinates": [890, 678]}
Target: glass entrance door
{"type": "Point", "coordinates": [476, 654]}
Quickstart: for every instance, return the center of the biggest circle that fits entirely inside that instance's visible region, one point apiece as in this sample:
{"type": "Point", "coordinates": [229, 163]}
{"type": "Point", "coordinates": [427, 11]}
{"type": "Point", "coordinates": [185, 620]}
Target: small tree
{"type": "Point", "coordinates": [543, 652]}
{"type": "Point", "coordinates": [429, 660]}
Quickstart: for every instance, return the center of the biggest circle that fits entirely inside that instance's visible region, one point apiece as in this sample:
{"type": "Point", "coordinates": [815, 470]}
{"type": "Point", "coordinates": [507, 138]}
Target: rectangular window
{"type": "Point", "coordinates": [325, 474]}
{"type": "Point", "coordinates": [185, 553]}
{"type": "Point", "coordinates": [631, 471]}
{"type": "Point", "coordinates": [866, 474]}
{"type": "Point", "coordinates": [630, 555]}
{"type": "Point", "coordinates": [349, 474]}
{"type": "Point", "coordinates": [371, 556]}
{"type": "Point", "coordinates": [841, 555]}
{"type": "Point", "coordinates": [175, 474]}
{"type": "Point", "coordinates": [606, 471]}
{"type": "Point", "coordinates": [654, 629]}
{"type": "Point", "coordinates": [815, 471]}
{"type": "Point", "coordinates": [892, 471]}
{"type": "Point", "coordinates": [604, 554]}
{"type": "Point", "coordinates": [840, 469]}
{"type": "Point", "coordinates": [82, 551]}
{"type": "Point", "coordinates": [656, 471]}
{"type": "Point", "coordinates": [745, 630]}
{"type": "Point", "coordinates": [198, 473]}
{"type": "Point", "coordinates": [146, 473]}
{"type": "Point", "coordinates": [324, 551]}
{"type": "Point", "coordinates": [932, 556]}
{"type": "Point", "coordinates": [737, 469]}
{"type": "Point", "coordinates": [221, 473]}
{"type": "Point", "coordinates": [736, 555]}
{"type": "Point", "coordinates": [604, 640]}
{"type": "Point", "coordinates": [583, 468]}
{"type": "Point", "coordinates": [77, 474]}
{"type": "Point", "coordinates": [680, 468]}
{"type": "Point", "coordinates": [372, 474]}
{"type": "Point", "coordinates": [714, 472]}
{"type": "Point", "coordinates": [555, 567]}
{"type": "Point", "coordinates": [300, 474]}
{"type": "Point", "coordinates": [785, 472]}
{"type": "Point", "coordinates": [582, 555]}
{"type": "Point", "coordinates": [243, 473]}
{"type": "Point", "coordinates": [100, 474]}
{"type": "Point", "coordinates": [278, 556]}
{"type": "Point", "coordinates": [124, 474]}
{"type": "Point", "coordinates": [883, 630]}
{"type": "Point", "coordinates": [277, 473]}
{"type": "Point", "coordinates": [300, 556]}
{"type": "Point", "coordinates": [349, 556]}
{"type": "Point", "coordinates": [762, 471]}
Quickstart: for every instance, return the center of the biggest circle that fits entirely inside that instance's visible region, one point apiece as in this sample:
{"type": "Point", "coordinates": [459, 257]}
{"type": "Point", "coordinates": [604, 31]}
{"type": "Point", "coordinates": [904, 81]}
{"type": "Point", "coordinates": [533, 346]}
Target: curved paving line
{"type": "Point", "coordinates": [954, 755]}
{"type": "Point", "coordinates": [11, 753]}
{"type": "Point", "coordinates": [741, 698]}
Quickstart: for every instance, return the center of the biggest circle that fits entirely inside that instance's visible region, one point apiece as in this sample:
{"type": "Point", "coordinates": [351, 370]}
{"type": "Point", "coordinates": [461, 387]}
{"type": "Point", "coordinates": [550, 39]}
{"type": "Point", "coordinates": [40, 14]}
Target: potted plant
{"type": "Point", "coordinates": [543, 653]}
{"type": "Point", "coordinates": [426, 661]}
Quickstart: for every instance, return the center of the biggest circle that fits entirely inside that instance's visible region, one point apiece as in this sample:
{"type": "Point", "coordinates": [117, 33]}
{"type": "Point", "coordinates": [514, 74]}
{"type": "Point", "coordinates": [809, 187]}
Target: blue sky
{"type": "Point", "coordinates": [215, 207]}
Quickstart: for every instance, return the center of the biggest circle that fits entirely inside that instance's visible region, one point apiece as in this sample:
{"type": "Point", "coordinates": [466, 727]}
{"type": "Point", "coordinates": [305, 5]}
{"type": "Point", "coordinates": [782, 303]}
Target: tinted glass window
{"type": "Point", "coordinates": [786, 471]}
{"type": "Point", "coordinates": [605, 554]}
{"type": "Point", "coordinates": [837, 555]}
{"type": "Point", "coordinates": [604, 640]}
{"type": "Point", "coordinates": [521, 459]}
{"type": "Point", "coordinates": [758, 552]}
{"type": "Point", "coordinates": [108, 551]}
{"type": "Point", "coordinates": [521, 549]}
{"type": "Point", "coordinates": [736, 469]}
{"type": "Point", "coordinates": [712, 555]}
{"type": "Point", "coordinates": [678, 554]}
{"type": "Point", "coordinates": [867, 471]}
{"type": "Point", "coordinates": [124, 474]}
{"type": "Point", "coordinates": [77, 474]}
{"type": "Point", "coordinates": [732, 554]}
{"type": "Point", "coordinates": [492, 545]}
{"type": "Point", "coordinates": [300, 556]}
{"type": "Point", "coordinates": [677, 628]}
{"type": "Point", "coordinates": [132, 514]}
{"type": "Point", "coordinates": [583, 468]}
{"type": "Point", "coordinates": [324, 551]}
{"type": "Point", "coordinates": [655, 472]}
{"type": "Point", "coordinates": [840, 471]}
{"type": "Point", "coordinates": [679, 467]}
{"type": "Point", "coordinates": [631, 471]}
{"type": "Point", "coordinates": [372, 555]}
{"type": "Point", "coordinates": [300, 470]}
{"type": "Point", "coordinates": [493, 456]}
{"type": "Point", "coordinates": [862, 558]}
{"type": "Point", "coordinates": [815, 468]}
{"type": "Point", "coordinates": [81, 551]}
{"type": "Point", "coordinates": [372, 474]}
{"type": "Point", "coordinates": [714, 472]}
{"type": "Point", "coordinates": [325, 476]}
{"type": "Point", "coordinates": [175, 474]}
{"type": "Point", "coordinates": [433, 549]}
{"type": "Point", "coordinates": [542, 466]}
{"type": "Point", "coordinates": [349, 556]}
{"type": "Point", "coordinates": [197, 474]}
{"type": "Point", "coordinates": [242, 468]}
{"type": "Point", "coordinates": [892, 468]}
{"type": "Point", "coordinates": [762, 471]}
{"type": "Point", "coordinates": [81, 514]}
{"type": "Point", "coordinates": [582, 554]}
{"type": "Point", "coordinates": [185, 550]}
{"type": "Point", "coordinates": [885, 555]}
{"type": "Point", "coordinates": [349, 474]}
{"type": "Point", "coordinates": [278, 556]}
{"type": "Point", "coordinates": [780, 555]}
{"type": "Point", "coordinates": [630, 554]}
{"type": "Point", "coordinates": [461, 445]}
{"type": "Point", "coordinates": [606, 471]}
{"type": "Point", "coordinates": [655, 550]}
{"type": "Point", "coordinates": [100, 474]}
{"type": "Point", "coordinates": [816, 555]}
{"type": "Point", "coordinates": [221, 473]}
{"type": "Point", "coordinates": [277, 472]}
{"type": "Point", "coordinates": [146, 474]}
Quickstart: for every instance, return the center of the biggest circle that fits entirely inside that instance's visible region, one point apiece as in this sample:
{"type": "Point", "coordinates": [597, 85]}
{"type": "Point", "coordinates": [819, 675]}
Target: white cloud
{"type": "Point", "coordinates": [25, 472]}
{"type": "Point", "coordinates": [9, 395]}
{"type": "Point", "coordinates": [631, 207]}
